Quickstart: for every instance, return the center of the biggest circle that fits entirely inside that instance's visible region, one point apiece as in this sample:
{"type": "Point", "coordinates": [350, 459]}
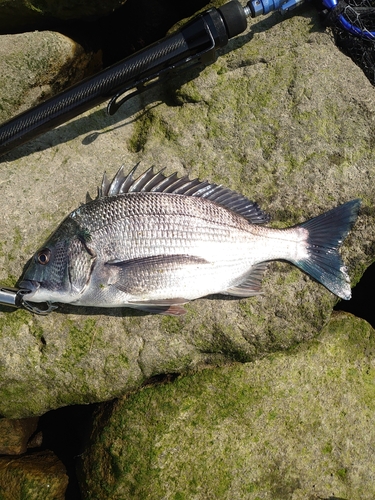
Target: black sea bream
{"type": "Point", "coordinates": [157, 242]}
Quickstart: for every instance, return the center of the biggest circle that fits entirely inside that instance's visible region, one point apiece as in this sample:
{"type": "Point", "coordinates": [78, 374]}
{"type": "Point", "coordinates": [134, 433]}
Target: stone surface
{"type": "Point", "coordinates": [36, 65]}
{"type": "Point", "coordinates": [15, 434]}
{"type": "Point", "coordinates": [284, 118]}
{"type": "Point", "coordinates": [40, 476]}
{"type": "Point", "coordinates": [296, 425]}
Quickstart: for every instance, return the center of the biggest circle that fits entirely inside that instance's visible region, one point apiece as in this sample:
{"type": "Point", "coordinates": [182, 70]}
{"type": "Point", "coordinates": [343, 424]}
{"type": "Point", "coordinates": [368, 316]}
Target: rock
{"type": "Point", "coordinates": [284, 118]}
{"type": "Point", "coordinates": [35, 441]}
{"type": "Point", "coordinates": [16, 14]}
{"type": "Point", "coordinates": [15, 434]}
{"type": "Point", "coordinates": [35, 65]}
{"type": "Point", "coordinates": [40, 476]}
{"type": "Point", "coordinates": [293, 425]}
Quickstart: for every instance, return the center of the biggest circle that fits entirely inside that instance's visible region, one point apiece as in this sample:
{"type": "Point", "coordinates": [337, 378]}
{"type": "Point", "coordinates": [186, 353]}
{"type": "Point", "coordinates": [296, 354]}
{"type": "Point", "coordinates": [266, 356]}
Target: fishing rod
{"type": "Point", "coordinates": [11, 296]}
{"type": "Point", "coordinates": [195, 43]}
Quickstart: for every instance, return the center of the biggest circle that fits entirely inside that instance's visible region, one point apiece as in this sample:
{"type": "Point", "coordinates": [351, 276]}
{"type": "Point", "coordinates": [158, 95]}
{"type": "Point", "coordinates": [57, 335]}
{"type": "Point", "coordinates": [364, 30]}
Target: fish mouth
{"type": "Point", "coordinates": [29, 287]}
{"type": "Point", "coordinates": [27, 291]}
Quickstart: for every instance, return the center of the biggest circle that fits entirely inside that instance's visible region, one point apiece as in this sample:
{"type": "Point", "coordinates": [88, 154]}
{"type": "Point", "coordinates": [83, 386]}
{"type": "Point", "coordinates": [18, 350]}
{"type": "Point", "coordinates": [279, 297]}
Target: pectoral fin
{"type": "Point", "coordinates": [146, 277]}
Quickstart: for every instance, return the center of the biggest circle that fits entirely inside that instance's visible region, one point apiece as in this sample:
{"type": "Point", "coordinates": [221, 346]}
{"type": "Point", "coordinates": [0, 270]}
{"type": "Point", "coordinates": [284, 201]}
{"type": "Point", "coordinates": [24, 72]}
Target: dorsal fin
{"type": "Point", "coordinates": [157, 182]}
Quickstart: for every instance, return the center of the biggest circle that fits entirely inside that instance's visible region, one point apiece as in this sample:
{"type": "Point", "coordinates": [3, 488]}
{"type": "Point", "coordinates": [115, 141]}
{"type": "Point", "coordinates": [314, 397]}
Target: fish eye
{"type": "Point", "coordinates": [44, 256]}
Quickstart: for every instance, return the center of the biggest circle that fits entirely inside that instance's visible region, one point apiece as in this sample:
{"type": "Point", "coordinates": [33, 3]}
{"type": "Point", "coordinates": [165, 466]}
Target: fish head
{"type": "Point", "coordinates": [61, 268]}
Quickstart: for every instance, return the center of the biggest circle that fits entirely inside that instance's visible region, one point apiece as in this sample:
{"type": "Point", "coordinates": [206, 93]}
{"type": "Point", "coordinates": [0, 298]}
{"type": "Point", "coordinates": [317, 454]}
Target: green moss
{"type": "Point", "coordinates": [341, 473]}
{"type": "Point", "coordinates": [327, 448]}
{"type": "Point", "coordinates": [190, 94]}
{"type": "Point", "coordinates": [10, 281]}
{"type": "Point", "coordinates": [10, 324]}
{"type": "Point", "coordinates": [17, 237]}
{"type": "Point", "coordinates": [141, 130]}
{"type": "Point", "coordinates": [149, 123]}
{"type": "Point", "coordinates": [83, 337]}
{"type": "Point", "coordinates": [247, 308]}
{"type": "Point", "coordinates": [33, 6]}
{"type": "Point", "coordinates": [172, 324]}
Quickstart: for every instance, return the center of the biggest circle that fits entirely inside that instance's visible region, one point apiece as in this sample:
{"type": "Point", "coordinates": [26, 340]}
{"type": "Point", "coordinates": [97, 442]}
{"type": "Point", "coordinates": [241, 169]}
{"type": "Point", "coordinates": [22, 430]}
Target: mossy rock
{"type": "Point", "coordinates": [297, 424]}
{"type": "Point", "coordinates": [36, 65]}
{"type": "Point", "coordinates": [36, 476]}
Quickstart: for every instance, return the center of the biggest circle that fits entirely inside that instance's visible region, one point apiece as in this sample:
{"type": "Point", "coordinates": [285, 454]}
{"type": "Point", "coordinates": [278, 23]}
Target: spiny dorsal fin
{"type": "Point", "coordinates": [157, 182]}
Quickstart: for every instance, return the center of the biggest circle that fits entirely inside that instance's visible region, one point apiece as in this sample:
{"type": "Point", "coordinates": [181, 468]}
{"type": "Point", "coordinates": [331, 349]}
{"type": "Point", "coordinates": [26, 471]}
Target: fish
{"type": "Point", "coordinates": [157, 242]}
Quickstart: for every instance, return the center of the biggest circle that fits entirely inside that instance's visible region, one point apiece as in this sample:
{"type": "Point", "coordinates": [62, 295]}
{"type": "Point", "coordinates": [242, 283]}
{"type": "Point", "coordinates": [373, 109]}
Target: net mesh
{"type": "Point", "coordinates": [353, 24]}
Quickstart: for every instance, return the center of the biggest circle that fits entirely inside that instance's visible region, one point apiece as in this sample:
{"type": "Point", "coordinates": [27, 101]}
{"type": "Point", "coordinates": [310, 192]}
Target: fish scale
{"type": "Point", "coordinates": [161, 223]}
{"type": "Point", "coordinates": [98, 214]}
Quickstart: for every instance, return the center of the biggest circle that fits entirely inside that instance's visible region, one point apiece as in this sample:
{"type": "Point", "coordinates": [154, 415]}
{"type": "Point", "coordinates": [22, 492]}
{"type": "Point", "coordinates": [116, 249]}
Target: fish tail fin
{"type": "Point", "coordinates": [326, 233]}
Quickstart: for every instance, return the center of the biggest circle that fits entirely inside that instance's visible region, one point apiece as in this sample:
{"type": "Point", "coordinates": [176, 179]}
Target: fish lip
{"type": "Point", "coordinates": [30, 287]}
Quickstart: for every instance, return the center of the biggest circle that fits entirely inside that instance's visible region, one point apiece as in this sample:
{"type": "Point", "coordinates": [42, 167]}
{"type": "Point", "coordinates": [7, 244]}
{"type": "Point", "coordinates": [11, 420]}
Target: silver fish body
{"type": "Point", "coordinates": [157, 242]}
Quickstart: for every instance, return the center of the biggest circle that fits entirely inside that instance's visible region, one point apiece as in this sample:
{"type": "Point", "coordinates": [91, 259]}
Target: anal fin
{"type": "Point", "coordinates": [252, 283]}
